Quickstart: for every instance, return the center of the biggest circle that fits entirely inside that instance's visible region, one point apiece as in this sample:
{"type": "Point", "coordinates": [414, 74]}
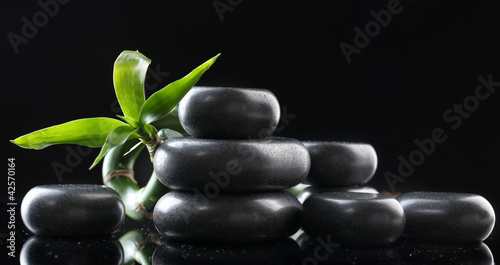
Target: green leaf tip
{"type": "Point", "coordinates": [129, 76]}
{"type": "Point", "coordinates": [90, 132]}
{"type": "Point", "coordinates": [164, 101]}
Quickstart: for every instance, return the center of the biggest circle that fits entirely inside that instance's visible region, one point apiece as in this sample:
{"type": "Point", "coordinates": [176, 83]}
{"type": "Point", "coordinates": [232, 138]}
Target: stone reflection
{"type": "Point", "coordinates": [285, 251]}
{"type": "Point", "coordinates": [442, 254]}
{"type": "Point", "coordinates": [144, 247]}
{"type": "Point", "coordinates": [326, 251]}
{"type": "Point", "coordinates": [41, 250]}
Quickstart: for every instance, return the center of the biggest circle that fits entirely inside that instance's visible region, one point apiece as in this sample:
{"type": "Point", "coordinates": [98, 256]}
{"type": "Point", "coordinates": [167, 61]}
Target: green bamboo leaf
{"type": "Point", "coordinates": [91, 132]}
{"type": "Point", "coordinates": [116, 137]}
{"type": "Point", "coordinates": [129, 76]}
{"type": "Point", "coordinates": [165, 100]}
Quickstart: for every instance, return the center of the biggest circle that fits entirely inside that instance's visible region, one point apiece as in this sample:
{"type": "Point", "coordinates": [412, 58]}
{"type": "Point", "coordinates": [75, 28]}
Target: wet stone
{"type": "Point", "coordinates": [70, 210]}
{"type": "Point", "coordinates": [350, 218]}
{"type": "Point", "coordinates": [227, 218]}
{"type": "Point", "coordinates": [337, 164]}
{"type": "Point", "coordinates": [303, 195]}
{"type": "Point", "coordinates": [229, 113]}
{"type": "Point", "coordinates": [447, 217]}
{"type": "Point", "coordinates": [212, 166]}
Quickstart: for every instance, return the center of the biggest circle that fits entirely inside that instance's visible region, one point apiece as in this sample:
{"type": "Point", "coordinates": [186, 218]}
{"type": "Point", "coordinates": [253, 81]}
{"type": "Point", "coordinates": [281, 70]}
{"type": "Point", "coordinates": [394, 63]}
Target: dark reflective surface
{"type": "Point", "coordinates": [434, 253]}
{"type": "Point", "coordinates": [284, 251]}
{"type": "Point", "coordinates": [302, 249]}
{"type": "Point", "coordinates": [325, 251]}
{"type": "Point", "coordinates": [40, 250]}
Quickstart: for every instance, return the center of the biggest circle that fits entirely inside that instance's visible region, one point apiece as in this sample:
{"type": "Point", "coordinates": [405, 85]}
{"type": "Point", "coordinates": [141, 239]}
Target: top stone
{"type": "Point", "coordinates": [229, 113]}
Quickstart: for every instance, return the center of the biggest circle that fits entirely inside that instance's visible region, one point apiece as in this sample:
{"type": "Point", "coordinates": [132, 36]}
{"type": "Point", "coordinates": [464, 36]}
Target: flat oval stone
{"type": "Point", "coordinates": [68, 210]}
{"type": "Point", "coordinates": [361, 219]}
{"type": "Point", "coordinates": [229, 113]}
{"type": "Point", "coordinates": [212, 166]}
{"type": "Point", "coordinates": [340, 164]}
{"type": "Point", "coordinates": [42, 250]}
{"type": "Point", "coordinates": [227, 218]}
{"type": "Point", "coordinates": [447, 216]}
{"type": "Point", "coordinates": [303, 195]}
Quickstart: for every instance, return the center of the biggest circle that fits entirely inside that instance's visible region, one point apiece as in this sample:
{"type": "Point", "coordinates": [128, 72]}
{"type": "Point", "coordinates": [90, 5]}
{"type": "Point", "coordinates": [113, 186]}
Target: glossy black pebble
{"type": "Point", "coordinates": [72, 210]}
{"type": "Point", "coordinates": [304, 194]}
{"type": "Point", "coordinates": [340, 164]}
{"type": "Point", "coordinates": [447, 217]}
{"type": "Point", "coordinates": [41, 250]}
{"type": "Point", "coordinates": [363, 219]}
{"type": "Point", "coordinates": [210, 166]}
{"type": "Point", "coordinates": [229, 113]}
{"type": "Point", "coordinates": [227, 218]}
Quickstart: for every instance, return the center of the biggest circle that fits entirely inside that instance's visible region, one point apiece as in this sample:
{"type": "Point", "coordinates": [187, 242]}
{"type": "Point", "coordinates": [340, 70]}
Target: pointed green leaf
{"type": "Point", "coordinates": [165, 100]}
{"type": "Point", "coordinates": [129, 75]}
{"type": "Point", "coordinates": [116, 137]}
{"type": "Point", "coordinates": [91, 132]}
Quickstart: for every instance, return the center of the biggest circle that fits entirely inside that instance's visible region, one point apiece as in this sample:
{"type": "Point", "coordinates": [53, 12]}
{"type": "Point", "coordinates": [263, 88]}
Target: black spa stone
{"type": "Point", "coordinates": [349, 218]}
{"type": "Point", "coordinates": [340, 164]}
{"type": "Point", "coordinates": [68, 210]}
{"type": "Point", "coordinates": [303, 195]}
{"type": "Point", "coordinates": [227, 218]}
{"type": "Point", "coordinates": [210, 166]}
{"type": "Point", "coordinates": [447, 217]}
{"type": "Point", "coordinates": [229, 113]}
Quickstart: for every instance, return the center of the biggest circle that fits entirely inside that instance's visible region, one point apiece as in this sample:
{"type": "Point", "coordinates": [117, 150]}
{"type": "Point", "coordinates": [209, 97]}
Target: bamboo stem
{"type": "Point", "coordinates": [139, 203]}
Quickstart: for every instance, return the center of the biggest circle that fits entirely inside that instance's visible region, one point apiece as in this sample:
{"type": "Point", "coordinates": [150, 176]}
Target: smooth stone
{"type": "Point", "coordinates": [72, 210]}
{"type": "Point", "coordinates": [212, 166]}
{"type": "Point", "coordinates": [447, 216]}
{"type": "Point", "coordinates": [304, 194]}
{"type": "Point", "coordinates": [283, 251]}
{"type": "Point", "coordinates": [41, 250]}
{"type": "Point", "coordinates": [339, 164]}
{"type": "Point", "coordinates": [227, 218]}
{"type": "Point", "coordinates": [359, 219]}
{"type": "Point", "coordinates": [229, 113]}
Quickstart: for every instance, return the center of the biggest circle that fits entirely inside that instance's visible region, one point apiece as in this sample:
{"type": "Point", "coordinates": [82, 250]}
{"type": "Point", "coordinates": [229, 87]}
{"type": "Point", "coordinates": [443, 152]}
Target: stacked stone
{"type": "Point", "coordinates": [339, 166]}
{"type": "Point", "coordinates": [337, 208]}
{"type": "Point", "coordinates": [228, 180]}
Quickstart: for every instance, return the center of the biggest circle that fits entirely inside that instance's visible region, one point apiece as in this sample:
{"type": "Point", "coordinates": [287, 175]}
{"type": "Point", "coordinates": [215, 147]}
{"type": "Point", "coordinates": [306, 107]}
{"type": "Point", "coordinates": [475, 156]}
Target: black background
{"type": "Point", "coordinates": [394, 91]}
